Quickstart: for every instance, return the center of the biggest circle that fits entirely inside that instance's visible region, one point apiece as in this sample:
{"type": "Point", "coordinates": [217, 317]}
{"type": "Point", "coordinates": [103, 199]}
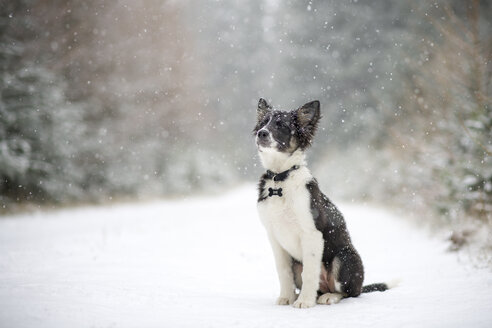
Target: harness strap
{"type": "Point", "coordinates": [280, 176]}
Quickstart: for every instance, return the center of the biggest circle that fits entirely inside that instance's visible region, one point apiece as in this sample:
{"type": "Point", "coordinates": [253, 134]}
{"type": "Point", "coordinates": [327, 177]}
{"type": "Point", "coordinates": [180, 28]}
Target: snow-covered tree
{"type": "Point", "coordinates": [445, 126]}
{"type": "Point", "coordinates": [38, 127]}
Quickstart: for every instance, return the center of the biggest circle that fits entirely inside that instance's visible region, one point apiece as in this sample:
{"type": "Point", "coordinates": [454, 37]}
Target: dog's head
{"type": "Point", "coordinates": [284, 131]}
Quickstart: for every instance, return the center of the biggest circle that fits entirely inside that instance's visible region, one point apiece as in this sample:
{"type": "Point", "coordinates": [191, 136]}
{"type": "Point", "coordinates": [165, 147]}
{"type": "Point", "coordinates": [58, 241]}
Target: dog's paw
{"type": "Point", "coordinates": [282, 300]}
{"type": "Point", "coordinates": [304, 303]}
{"type": "Point", "coordinates": [329, 298]}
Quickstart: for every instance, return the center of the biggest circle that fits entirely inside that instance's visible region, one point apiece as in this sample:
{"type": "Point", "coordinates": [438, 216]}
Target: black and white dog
{"type": "Point", "coordinates": [311, 245]}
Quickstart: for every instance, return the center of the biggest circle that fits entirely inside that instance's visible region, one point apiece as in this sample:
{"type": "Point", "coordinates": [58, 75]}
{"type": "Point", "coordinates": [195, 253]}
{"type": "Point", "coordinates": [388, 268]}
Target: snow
{"type": "Point", "coordinates": [206, 262]}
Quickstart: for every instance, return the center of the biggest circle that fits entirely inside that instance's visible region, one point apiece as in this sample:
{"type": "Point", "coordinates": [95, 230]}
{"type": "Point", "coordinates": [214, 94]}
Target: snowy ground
{"type": "Point", "coordinates": [207, 263]}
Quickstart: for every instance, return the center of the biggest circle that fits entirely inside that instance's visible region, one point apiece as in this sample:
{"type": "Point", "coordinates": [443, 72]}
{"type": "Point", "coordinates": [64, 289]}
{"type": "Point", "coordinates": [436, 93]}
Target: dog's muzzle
{"type": "Point", "coordinates": [263, 138]}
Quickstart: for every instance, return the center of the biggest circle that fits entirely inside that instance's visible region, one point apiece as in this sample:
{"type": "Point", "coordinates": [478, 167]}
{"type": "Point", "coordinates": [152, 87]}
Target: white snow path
{"type": "Point", "coordinates": [206, 262]}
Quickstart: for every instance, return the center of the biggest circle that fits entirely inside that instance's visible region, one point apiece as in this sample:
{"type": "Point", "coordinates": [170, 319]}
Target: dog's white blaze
{"type": "Point", "coordinates": [290, 225]}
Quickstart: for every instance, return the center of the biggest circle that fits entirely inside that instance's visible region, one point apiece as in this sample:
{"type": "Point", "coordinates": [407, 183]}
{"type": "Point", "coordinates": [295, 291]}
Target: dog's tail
{"type": "Point", "coordinates": [380, 287]}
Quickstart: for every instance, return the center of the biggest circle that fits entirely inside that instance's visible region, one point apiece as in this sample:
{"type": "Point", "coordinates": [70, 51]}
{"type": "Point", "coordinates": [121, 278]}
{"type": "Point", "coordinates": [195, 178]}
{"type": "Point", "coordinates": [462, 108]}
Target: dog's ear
{"type": "Point", "coordinates": [263, 109]}
{"type": "Point", "coordinates": [307, 116]}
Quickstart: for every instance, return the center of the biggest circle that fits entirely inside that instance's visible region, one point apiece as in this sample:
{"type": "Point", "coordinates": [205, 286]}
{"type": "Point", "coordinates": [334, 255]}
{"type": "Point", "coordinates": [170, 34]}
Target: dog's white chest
{"type": "Point", "coordinates": [287, 217]}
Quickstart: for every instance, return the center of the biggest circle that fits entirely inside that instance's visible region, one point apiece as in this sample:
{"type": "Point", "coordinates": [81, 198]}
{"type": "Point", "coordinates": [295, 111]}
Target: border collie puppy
{"type": "Point", "coordinates": [310, 242]}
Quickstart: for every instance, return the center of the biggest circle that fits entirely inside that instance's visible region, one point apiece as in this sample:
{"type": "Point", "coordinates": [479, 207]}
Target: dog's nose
{"type": "Point", "coordinates": [263, 134]}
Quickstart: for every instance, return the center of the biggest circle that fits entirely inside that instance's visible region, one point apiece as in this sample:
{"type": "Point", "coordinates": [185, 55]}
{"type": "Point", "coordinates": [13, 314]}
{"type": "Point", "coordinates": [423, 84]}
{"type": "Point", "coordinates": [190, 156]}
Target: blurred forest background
{"type": "Point", "coordinates": [124, 99]}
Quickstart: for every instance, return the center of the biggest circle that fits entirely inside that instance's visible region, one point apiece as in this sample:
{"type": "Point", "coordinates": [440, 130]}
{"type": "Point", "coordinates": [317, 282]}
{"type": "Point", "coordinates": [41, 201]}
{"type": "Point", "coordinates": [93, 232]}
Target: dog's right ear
{"type": "Point", "coordinates": [263, 109]}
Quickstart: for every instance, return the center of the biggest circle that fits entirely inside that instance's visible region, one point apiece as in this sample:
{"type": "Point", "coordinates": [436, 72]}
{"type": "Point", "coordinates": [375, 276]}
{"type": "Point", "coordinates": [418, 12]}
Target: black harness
{"type": "Point", "coordinates": [278, 177]}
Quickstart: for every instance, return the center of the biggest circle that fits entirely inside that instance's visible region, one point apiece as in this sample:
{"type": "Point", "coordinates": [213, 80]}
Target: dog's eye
{"type": "Point", "coordinates": [281, 125]}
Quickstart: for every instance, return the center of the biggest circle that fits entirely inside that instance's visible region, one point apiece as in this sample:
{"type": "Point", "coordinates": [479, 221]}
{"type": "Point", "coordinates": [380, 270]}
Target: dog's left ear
{"type": "Point", "coordinates": [308, 115]}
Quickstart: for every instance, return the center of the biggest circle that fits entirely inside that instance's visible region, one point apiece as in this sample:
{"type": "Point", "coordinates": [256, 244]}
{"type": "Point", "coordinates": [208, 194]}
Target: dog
{"type": "Point", "coordinates": [308, 235]}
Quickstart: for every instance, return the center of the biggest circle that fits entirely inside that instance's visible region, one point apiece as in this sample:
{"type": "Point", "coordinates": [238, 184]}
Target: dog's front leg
{"type": "Point", "coordinates": [312, 252]}
{"type": "Point", "coordinates": [283, 263]}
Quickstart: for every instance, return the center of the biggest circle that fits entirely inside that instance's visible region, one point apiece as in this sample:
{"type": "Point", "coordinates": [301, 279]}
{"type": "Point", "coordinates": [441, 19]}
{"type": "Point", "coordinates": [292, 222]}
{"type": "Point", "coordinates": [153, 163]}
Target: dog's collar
{"type": "Point", "coordinates": [280, 176]}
